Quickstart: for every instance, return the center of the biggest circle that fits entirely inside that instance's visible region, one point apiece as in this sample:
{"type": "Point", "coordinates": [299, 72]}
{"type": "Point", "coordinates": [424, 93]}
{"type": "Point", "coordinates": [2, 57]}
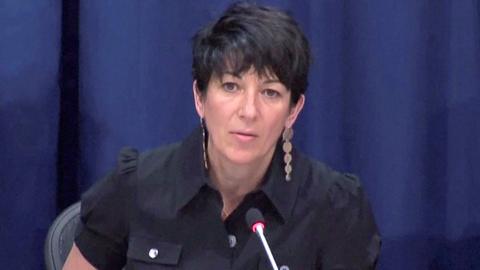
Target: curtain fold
{"type": "Point", "coordinates": [29, 109]}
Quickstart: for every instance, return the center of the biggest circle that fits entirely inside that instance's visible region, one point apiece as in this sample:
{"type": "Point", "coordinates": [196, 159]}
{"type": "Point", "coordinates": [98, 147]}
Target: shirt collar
{"type": "Point", "coordinates": [193, 174]}
{"type": "Point", "coordinates": [281, 193]}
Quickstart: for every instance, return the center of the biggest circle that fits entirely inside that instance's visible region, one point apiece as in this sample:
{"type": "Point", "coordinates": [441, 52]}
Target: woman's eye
{"type": "Point", "coordinates": [229, 86]}
{"type": "Point", "coordinates": [271, 93]}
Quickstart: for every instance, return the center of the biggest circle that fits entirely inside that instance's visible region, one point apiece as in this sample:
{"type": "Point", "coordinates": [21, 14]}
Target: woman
{"type": "Point", "coordinates": [183, 206]}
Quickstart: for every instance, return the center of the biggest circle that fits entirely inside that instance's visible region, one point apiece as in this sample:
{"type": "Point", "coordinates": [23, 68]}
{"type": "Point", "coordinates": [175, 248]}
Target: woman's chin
{"type": "Point", "coordinates": [249, 157]}
{"type": "Point", "coordinates": [242, 158]}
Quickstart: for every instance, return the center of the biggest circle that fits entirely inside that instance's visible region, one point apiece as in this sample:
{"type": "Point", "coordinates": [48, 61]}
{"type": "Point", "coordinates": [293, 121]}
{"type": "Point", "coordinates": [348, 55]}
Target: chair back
{"type": "Point", "coordinates": [60, 237]}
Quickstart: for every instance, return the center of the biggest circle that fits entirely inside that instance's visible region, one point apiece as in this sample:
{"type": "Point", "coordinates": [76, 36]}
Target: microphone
{"type": "Point", "coordinates": [256, 223]}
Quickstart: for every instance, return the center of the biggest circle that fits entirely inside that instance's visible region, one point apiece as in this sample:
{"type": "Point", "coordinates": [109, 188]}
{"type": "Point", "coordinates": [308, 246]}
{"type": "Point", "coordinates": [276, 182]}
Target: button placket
{"type": "Point", "coordinates": [153, 253]}
{"type": "Point", "coordinates": [232, 240]}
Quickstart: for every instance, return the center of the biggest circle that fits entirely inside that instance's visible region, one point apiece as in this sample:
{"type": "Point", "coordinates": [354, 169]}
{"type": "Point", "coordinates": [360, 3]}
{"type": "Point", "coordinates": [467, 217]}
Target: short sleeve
{"type": "Point", "coordinates": [102, 233]}
{"type": "Point", "coordinates": [353, 239]}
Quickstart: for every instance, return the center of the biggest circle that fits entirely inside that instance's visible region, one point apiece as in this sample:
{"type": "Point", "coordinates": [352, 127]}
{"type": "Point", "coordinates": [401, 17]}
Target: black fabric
{"type": "Point", "coordinates": [164, 202]}
{"type": "Point", "coordinates": [105, 215]}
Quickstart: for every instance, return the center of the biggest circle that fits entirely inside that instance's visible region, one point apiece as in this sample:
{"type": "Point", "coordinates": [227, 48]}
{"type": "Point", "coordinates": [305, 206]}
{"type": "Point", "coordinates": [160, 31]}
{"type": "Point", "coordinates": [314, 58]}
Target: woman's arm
{"type": "Point", "coordinates": [76, 261]}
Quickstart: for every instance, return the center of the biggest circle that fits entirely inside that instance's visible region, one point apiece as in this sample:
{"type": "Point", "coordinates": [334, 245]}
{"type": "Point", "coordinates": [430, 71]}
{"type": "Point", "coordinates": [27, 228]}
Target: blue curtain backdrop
{"type": "Point", "coordinates": [394, 97]}
{"type": "Point", "coordinates": [30, 41]}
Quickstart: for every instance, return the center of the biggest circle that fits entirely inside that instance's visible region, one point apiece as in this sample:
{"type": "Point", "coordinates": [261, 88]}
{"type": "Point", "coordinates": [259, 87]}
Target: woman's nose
{"type": "Point", "coordinates": [248, 108]}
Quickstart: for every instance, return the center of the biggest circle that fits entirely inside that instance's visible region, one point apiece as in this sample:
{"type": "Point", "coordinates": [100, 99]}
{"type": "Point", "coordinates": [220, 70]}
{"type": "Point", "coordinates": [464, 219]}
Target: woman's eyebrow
{"type": "Point", "coordinates": [272, 81]}
{"type": "Point", "coordinates": [232, 74]}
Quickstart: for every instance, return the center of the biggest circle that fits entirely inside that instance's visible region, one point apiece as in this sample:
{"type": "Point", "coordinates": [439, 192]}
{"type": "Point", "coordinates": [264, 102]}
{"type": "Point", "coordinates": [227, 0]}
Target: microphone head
{"type": "Point", "coordinates": [254, 218]}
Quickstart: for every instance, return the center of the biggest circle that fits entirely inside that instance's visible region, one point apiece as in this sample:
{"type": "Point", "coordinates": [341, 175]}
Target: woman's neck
{"type": "Point", "coordinates": [235, 181]}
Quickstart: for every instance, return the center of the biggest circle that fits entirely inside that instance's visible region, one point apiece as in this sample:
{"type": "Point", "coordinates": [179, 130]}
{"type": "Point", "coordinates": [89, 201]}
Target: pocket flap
{"type": "Point", "coordinates": [154, 251]}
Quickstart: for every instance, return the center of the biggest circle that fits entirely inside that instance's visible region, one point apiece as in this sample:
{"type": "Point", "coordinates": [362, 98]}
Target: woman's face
{"type": "Point", "coordinates": [245, 115]}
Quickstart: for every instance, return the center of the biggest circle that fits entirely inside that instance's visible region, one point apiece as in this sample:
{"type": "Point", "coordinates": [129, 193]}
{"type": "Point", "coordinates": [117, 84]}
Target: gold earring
{"type": "Point", "coordinates": [205, 163]}
{"type": "Point", "coordinates": [287, 149]}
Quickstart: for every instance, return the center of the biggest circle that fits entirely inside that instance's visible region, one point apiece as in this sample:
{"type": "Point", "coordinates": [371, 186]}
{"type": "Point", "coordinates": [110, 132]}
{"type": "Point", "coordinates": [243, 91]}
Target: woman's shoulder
{"type": "Point", "coordinates": [170, 160]}
{"type": "Point", "coordinates": [157, 159]}
{"type": "Point", "coordinates": [131, 165]}
{"type": "Point", "coordinates": [325, 184]}
{"type": "Point", "coordinates": [130, 159]}
{"type": "Point", "coordinates": [348, 231]}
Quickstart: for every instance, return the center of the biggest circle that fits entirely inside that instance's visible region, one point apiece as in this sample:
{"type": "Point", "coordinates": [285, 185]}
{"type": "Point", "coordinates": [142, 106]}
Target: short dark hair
{"type": "Point", "coordinates": [248, 35]}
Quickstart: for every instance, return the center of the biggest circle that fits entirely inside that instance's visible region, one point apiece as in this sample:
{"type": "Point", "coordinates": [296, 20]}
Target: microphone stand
{"type": "Point", "coordinates": [259, 233]}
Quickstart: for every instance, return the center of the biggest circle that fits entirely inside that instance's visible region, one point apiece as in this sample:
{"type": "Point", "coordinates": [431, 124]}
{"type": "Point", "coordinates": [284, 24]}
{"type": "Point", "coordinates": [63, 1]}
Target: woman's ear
{"type": "Point", "coordinates": [198, 99]}
{"type": "Point", "coordinates": [295, 111]}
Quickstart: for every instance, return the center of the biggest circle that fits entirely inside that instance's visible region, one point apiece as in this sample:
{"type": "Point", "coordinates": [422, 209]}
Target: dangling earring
{"type": "Point", "coordinates": [205, 163]}
{"type": "Point", "coordinates": [287, 148]}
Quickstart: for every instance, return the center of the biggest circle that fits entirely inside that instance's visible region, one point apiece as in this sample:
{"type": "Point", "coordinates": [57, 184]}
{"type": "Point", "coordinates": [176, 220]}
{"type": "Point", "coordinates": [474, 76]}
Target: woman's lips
{"type": "Point", "coordinates": [244, 136]}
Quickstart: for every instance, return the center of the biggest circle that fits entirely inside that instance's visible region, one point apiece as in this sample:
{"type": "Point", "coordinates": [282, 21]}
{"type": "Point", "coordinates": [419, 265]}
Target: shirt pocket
{"type": "Point", "coordinates": [147, 253]}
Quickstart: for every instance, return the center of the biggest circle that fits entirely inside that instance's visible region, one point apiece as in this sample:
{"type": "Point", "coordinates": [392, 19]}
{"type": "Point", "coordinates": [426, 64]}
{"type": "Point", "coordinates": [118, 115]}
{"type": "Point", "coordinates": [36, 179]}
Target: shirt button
{"type": "Point", "coordinates": [232, 240]}
{"type": "Point", "coordinates": [153, 253]}
{"type": "Point", "coordinates": [284, 267]}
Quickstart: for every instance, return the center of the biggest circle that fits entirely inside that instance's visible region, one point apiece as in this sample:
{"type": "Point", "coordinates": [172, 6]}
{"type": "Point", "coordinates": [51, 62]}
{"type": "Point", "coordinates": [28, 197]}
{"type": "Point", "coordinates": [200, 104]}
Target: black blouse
{"type": "Point", "coordinates": [157, 210]}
